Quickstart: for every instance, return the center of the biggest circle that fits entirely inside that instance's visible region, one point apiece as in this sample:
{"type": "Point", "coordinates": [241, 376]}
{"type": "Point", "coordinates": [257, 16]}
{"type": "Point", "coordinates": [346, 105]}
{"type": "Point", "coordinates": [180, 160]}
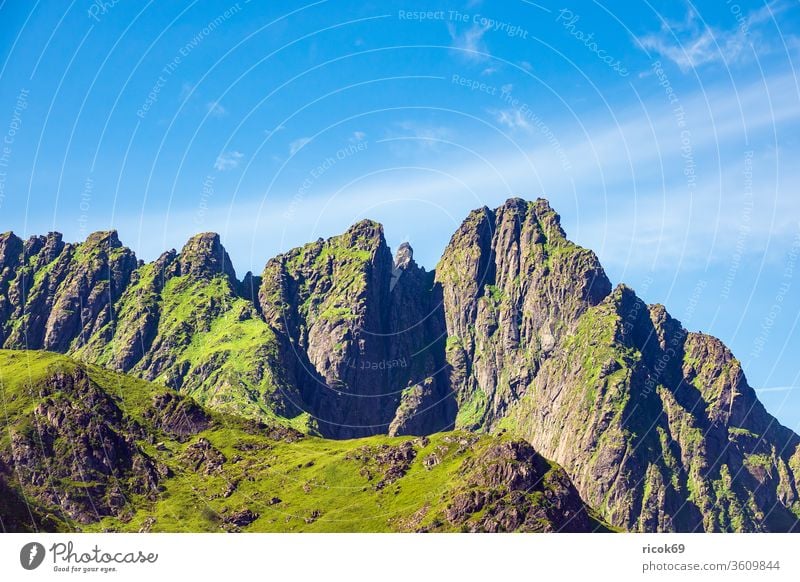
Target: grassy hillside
{"type": "Point", "coordinates": [93, 450]}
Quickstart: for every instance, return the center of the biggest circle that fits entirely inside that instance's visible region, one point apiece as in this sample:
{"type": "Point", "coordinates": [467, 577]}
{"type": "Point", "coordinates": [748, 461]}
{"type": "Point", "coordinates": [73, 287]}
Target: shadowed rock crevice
{"type": "Point", "coordinates": [361, 335]}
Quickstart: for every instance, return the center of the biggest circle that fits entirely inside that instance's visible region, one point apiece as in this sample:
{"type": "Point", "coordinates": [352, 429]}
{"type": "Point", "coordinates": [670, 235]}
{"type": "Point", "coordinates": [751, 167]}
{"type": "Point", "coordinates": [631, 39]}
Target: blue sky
{"type": "Point", "coordinates": [665, 133]}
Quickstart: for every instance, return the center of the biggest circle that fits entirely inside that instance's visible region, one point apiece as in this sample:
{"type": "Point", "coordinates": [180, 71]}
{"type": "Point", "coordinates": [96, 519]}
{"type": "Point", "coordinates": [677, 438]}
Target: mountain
{"type": "Point", "coordinates": [514, 288]}
{"type": "Point", "coordinates": [518, 334]}
{"type": "Point", "coordinates": [86, 449]}
{"type": "Point", "coordinates": [183, 321]}
{"type": "Point", "coordinates": [362, 336]}
{"type": "Point", "coordinates": [657, 426]}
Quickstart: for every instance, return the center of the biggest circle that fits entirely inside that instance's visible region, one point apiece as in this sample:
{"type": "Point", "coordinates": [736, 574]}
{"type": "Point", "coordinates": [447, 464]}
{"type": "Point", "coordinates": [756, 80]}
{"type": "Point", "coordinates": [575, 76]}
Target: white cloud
{"type": "Point", "coordinates": [422, 136]}
{"type": "Point", "coordinates": [228, 161]}
{"type": "Point", "coordinates": [470, 42]}
{"type": "Point", "coordinates": [215, 109]}
{"type": "Point", "coordinates": [186, 90]}
{"type": "Point", "coordinates": [358, 136]}
{"type": "Point", "coordinates": [693, 43]}
{"type": "Point", "coordinates": [298, 144]}
{"type": "Point", "coordinates": [271, 132]}
{"type": "Point", "coordinates": [510, 118]}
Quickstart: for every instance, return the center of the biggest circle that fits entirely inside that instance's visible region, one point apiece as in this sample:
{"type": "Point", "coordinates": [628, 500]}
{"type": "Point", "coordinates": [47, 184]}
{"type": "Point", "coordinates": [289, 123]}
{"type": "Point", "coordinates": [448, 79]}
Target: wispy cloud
{"type": "Point", "coordinates": [511, 118]}
{"type": "Point", "coordinates": [186, 90]}
{"type": "Point", "coordinates": [693, 43]}
{"type": "Point", "coordinates": [470, 43]}
{"type": "Point", "coordinates": [298, 144]}
{"type": "Point", "coordinates": [228, 161]}
{"type": "Point", "coordinates": [273, 131]}
{"type": "Point", "coordinates": [358, 136]}
{"type": "Point", "coordinates": [215, 109]}
{"type": "Point", "coordinates": [424, 136]}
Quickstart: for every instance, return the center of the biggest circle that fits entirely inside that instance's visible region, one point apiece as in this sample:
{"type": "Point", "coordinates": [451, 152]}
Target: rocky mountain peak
{"type": "Point", "coordinates": [513, 286]}
{"type": "Point", "coordinates": [10, 248]}
{"type": "Point", "coordinates": [7, 237]}
{"type": "Point", "coordinates": [514, 204]}
{"type": "Point", "coordinates": [106, 239]}
{"type": "Point", "coordinates": [364, 235]}
{"type": "Point", "coordinates": [204, 257]}
{"type": "Point", "coordinates": [404, 257]}
{"type": "Point", "coordinates": [52, 244]}
{"type": "Point", "coordinates": [403, 261]}
{"type": "Point", "coordinates": [624, 297]}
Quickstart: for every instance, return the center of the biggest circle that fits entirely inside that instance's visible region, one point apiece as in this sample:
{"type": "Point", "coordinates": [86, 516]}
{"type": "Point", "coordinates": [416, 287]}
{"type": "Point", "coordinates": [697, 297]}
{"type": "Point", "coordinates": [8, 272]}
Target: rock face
{"type": "Point", "coordinates": [80, 452]}
{"type": "Point", "coordinates": [659, 427]}
{"type": "Point", "coordinates": [58, 295]}
{"type": "Point", "coordinates": [327, 301]}
{"type": "Point", "coordinates": [359, 334]}
{"type": "Point", "coordinates": [507, 484]}
{"type": "Point", "coordinates": [517, 330]}
{"type": "Point", "coordinates": [513, 287]}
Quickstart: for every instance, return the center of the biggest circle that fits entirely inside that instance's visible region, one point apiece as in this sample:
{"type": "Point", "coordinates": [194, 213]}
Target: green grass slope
{"type": "Point", "coordinates": [86, 449]}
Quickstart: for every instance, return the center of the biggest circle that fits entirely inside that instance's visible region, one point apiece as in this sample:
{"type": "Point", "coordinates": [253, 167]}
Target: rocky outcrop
{"type": "Point", "coordinates": [78, 452]}
{"type": "Point", "coordinates": [178, 416]}
{"type": "Point", "coordinates": [509, 487]}
{"type": "Point", "coordinates": [658, 427]}
{"type": "Point", "coordinates": [10, 258]}
{"type": "Point", "coordinates": [202, 457]}
{"type": "Point", "coordinates": [359, 334]}
{"type": "Point", "coordinates": [513, 286]}
{"type": "Point", "coordinates": [204, 257]}
{"type": "Point", "coordinates": [384, 464]}
{"type": "Point", "coordinates": [328, 303]}
{"type": "Point", "coordinates": [63, 294]}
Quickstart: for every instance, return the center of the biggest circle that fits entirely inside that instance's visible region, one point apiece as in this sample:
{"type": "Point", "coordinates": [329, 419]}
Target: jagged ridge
{"type": "Point", "coordinates": [517, 330]}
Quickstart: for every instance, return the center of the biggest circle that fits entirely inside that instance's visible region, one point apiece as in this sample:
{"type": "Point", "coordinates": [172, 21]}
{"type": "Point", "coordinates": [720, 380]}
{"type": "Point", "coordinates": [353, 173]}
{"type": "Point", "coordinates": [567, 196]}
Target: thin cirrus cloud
{"type": "Point", "coordinates": [215, 109]}
{"type": "Point", "coordinates": [470, 43]}
{"type": "Point", "coordinates": [296, 145]}
{"type": "Point", "coordinates": [511, 118]}
{"type": "Point", "coordinates": [694, 43]}
{"type": "Point", "coordinates": [414, 137]}
{"type": "Point", "coordinates": [228, 161]}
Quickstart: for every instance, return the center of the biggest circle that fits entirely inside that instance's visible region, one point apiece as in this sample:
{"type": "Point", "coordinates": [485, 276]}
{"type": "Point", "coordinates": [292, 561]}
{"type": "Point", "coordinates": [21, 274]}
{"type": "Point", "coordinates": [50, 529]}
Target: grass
{"type": "Point", "coordinates": [759, 460]}
{"type": "Point", "coordinates": [308, 484]}
{"type": "Point", "coordinates": [738, 431]}
{"type": "Point", "coordinates": [310, 477]}
{"type": "Point", "coordinates": [472, 411]}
